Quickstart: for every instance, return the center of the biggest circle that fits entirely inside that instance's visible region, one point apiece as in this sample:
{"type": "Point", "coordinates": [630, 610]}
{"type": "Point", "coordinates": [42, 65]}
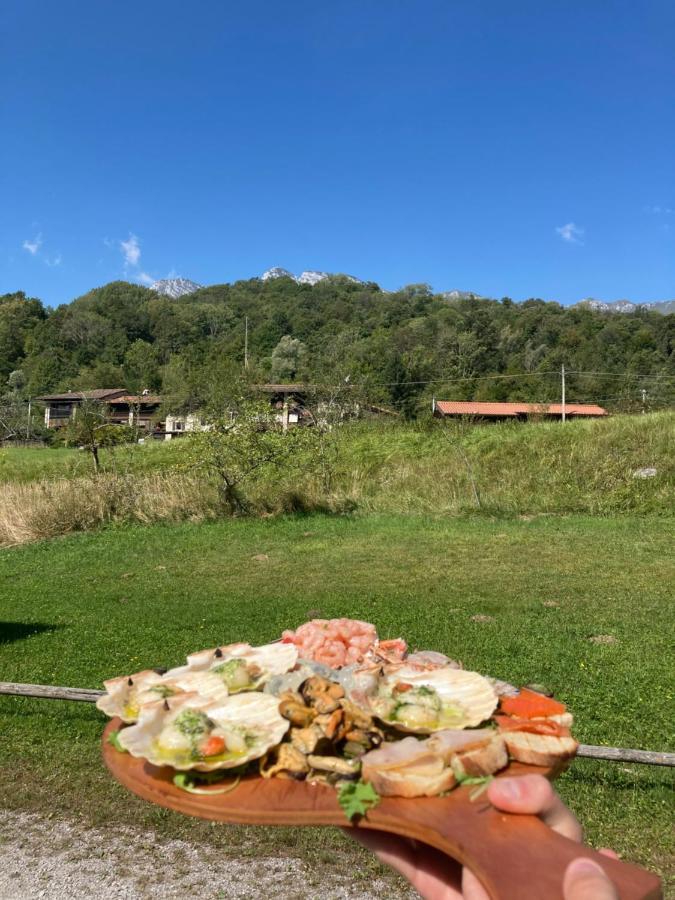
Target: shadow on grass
{"type": "Point", "coordinates": [17, 631]}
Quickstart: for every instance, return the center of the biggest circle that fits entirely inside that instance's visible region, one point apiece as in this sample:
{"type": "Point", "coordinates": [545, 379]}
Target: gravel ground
{"type": "Point", "coordinates": [62, 860]}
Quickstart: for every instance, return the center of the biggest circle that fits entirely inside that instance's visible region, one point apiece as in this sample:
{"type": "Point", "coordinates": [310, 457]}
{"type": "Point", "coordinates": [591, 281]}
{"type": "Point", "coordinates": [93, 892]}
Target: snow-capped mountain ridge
{"type": "Point", "coordinates": [460, 295]}
{"type": "Point", "coordinates": [180, 287]}
{"type": "Point", "coordinates": [175, 287]}
{"type": "Point", "coordinates": [626, 306]}
{"type": "Point", "coordinates": [309, 276]}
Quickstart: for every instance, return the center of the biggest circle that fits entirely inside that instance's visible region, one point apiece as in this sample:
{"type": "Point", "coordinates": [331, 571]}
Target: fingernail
{"type": "Point", "coordinates": [509, 788]}
{"type": "Point", "coordinates": [582, 867]}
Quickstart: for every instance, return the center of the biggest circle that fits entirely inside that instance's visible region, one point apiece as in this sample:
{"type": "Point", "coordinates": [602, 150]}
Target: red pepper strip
{"type": "Point", "coordinates": [539, 726]}
{"type": "Point", "coordinates": [530, 705]}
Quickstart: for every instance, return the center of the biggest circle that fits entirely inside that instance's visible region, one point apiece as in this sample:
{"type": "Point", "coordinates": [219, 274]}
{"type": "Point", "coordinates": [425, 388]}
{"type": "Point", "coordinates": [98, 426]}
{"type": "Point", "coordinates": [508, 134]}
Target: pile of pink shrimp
{"type": "Point", "coordinates": [333, 642]}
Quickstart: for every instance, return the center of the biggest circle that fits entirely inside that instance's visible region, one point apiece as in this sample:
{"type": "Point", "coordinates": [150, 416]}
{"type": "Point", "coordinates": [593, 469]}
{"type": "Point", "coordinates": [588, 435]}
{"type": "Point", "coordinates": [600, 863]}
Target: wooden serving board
{"type": "Point", "coordinates": [516, 857]}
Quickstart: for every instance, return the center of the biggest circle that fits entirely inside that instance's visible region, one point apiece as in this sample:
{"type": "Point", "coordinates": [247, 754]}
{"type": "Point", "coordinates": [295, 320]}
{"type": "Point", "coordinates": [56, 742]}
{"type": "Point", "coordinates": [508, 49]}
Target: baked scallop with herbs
{"type": "Point", "coordinates": [422, 702]}
{"type": "Point", "coordinates": [126, 695]}
{"type": "Point", "coordinates": [241, 667]}
{"type": "Point", "coordinates": [191, 732]}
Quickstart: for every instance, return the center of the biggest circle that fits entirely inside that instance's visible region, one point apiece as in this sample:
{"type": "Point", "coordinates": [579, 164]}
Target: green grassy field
{"type": "Point", "coordinates": [21, 465]}
{"type": "Point", "coordinates": [79, 609]}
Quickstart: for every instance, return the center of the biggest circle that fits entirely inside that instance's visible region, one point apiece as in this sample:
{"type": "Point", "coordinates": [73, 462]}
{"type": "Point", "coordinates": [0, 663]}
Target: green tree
{"type": "Point", "coordinates": [89, 428]}
{"type": "Point", "coordinates": [243, 447]}
{"type": "Point", "coordinates": [288, 359]}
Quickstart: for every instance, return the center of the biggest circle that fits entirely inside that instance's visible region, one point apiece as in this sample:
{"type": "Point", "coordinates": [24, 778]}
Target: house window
{"type": "Point", "coordinates": [60, 410]}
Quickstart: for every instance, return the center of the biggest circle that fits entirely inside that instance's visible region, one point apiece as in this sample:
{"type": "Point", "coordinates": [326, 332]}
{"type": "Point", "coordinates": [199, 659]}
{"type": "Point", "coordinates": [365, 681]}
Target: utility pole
{"type": "Point", "coordinates": [28, 422]}
{"type": "Point", "coordinates": [246, 342]}
{"type": "Point", "coordinates": [562, 373]}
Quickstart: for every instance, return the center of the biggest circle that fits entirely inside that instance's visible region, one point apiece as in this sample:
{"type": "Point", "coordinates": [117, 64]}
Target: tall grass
{"type": "Point", "coordinates": [581, 466]}
{"type": "Point", "coordinates": [506, 469]}
{"type": "Point", "coordinates": [46, 509]}
{"type": "Point", "coordinates": [501, 469]}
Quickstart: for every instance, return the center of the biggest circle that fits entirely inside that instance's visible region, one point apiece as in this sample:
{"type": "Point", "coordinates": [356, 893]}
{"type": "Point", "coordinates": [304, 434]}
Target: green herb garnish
{"type": "Point", "coordinates": [114, 741]}
{"type": "Point", "coordinates": [162, 690]}
{"type": "Point", "coordinates": [481, 782]}
{"type": "Point", "coordinates": [192, 723]}
{"type": "Point", "coordinates": [356, 798]}
{"type": "Point", "coordinates": [191, 781]}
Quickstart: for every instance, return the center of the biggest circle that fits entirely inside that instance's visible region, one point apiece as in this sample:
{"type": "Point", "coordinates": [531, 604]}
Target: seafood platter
{"type": "Point", "coordinates": [331, 725]}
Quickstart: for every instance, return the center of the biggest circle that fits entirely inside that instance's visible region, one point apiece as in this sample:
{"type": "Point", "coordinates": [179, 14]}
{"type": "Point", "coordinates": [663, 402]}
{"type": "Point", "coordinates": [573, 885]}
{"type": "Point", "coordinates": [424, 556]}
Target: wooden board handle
{"type": "Point", "coordinates": [516, 857]}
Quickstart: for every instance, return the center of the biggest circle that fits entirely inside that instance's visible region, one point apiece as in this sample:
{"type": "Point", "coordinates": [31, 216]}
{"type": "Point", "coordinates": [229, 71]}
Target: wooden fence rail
{"type": "Point", "coordinates": [588, 751]}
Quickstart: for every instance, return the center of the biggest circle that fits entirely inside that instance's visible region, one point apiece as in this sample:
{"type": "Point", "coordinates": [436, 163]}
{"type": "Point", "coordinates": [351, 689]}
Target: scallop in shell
{"type": "Point", "coordinates": [190, 732]}
{"type": "Point", "coordinates": [241, 667]}
{"type": "Point", "coordinates": [422, 702]}
{"type": "Point", "coordinates": [124, 696]}
{"type": "Point", "coordinates": [205, 683]}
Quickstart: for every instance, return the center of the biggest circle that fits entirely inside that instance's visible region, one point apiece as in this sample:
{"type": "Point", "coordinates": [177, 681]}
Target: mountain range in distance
{"type": "Point", "coordinates": [180, 287]}
{"type": "Point", "coordinates": [310, 276]}
{"type": "Point", "coordinates": [627, 306]}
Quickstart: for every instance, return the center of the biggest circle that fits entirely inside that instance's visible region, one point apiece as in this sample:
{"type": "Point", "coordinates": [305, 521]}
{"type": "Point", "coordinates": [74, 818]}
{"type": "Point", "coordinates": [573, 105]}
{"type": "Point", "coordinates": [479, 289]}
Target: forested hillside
{"type": "Point", "coordinates": [402, 348]}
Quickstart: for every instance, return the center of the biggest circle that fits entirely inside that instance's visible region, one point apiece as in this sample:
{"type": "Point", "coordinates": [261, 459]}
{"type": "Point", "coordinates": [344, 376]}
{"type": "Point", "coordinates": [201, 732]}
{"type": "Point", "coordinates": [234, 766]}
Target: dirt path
{"type": "Point", "coordinates": [60, 860]}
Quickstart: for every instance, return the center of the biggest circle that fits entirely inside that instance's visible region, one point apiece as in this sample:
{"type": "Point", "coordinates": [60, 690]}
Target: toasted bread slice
{"type": "Point", "coordinates": [539, 749]}
{"type": "Point", "coordinates": [486, 759]}
{"type": "Point", "coordinates": [407, 768]}
{"type": "Point", "coordinates": [565, 720]}
{"type": "Point", "coordinates": [390, 783]}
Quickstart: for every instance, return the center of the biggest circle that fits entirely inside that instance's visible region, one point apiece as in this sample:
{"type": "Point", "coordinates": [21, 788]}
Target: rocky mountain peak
{"type": "Point", "coordinates": [175, 287]}
{"type": "Point", "coordinates": [309, 276]}
{"type": "Point", "coordinates": [627, 306]}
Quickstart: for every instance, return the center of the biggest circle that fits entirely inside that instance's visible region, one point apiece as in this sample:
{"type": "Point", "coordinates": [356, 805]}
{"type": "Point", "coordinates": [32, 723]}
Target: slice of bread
{"type": "Point", "coordinates": [404, 784]}
{"type": "Point", "coordinates": [486, 759]}
{"type": "Point", "coordinates": [539, 749]}
{"type": "Point", "coordinates": [565, 720]}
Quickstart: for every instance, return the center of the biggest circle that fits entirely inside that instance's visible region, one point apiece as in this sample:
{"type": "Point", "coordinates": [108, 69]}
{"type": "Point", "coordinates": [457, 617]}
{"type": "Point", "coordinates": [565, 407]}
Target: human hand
{"type": "Point", "coordinates": [437, 877]}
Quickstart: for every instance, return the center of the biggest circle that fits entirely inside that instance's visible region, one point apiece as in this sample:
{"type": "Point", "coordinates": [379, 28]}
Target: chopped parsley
{"type": "Point", "coordinates": [193, 723]}
{"type": "Point", "coordinates": [356, 798]}
{"type": "Point", "coordinates": [162, 690]}
{"type": "Point", "coordinates": [114, 741]}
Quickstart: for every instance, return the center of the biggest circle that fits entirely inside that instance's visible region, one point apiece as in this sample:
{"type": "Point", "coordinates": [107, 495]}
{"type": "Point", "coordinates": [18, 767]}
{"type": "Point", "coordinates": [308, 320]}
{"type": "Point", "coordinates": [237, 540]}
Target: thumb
{"type": "Point", "coordinates": [585, 880]}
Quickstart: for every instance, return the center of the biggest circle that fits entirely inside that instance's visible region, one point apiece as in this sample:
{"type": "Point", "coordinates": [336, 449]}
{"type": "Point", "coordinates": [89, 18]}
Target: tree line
{"type": "Point", "coordinates": [400, 349]}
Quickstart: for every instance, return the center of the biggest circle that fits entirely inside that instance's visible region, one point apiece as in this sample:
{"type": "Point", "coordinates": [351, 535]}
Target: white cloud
{"type": "Point", "coordinates": [54, 261]}
{"type": "Point", "coordinates": [144, 278]}
{"type": "Point", "coordinates": [660, 210]}
{"type": "Point", "coordinates": [571, 233]}
{"type": "Point", "coordinates": [34, 245]}
{"type": "Point", "coordinates": [131, 250]}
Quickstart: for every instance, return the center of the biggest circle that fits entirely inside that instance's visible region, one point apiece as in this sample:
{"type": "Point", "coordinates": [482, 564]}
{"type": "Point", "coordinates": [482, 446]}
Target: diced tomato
{"type": "Point", "coordinates": [212, 746]}
{"type": "Point", "coordinates": [532, 726]}
{"type": "Point", "coordinates": [530, 705]}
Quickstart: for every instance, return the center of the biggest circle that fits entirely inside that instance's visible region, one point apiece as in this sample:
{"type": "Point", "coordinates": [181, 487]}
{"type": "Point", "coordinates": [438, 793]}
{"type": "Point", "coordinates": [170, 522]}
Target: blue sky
{"type": "Point", "coordinates": [520, 149]}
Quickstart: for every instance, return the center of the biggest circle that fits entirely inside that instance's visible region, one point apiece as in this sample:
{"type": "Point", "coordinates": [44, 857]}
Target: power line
{"type": "Point", "coordinates": [464, 378]}
{"type": "Point", "coordinates": [517, 375]}
{"type": "Point", "coordinates": [627, 375]}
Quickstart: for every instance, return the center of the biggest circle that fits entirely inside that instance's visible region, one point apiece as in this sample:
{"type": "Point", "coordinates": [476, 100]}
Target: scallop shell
{"type": "Point", "coordinates": [207, 684]}
{"type": "Point", "coordinates": [471, 692]}
{"type": "Point", "coordinates": [254, 716]}
{"type": "Point", "coordinates": [271, 659]}
{"type": "Point", "coordinates": [126, 691]}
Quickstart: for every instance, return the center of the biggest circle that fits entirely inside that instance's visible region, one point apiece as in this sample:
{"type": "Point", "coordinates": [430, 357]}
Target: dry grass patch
{"type": "Point", "coordinates": [45, 509]}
